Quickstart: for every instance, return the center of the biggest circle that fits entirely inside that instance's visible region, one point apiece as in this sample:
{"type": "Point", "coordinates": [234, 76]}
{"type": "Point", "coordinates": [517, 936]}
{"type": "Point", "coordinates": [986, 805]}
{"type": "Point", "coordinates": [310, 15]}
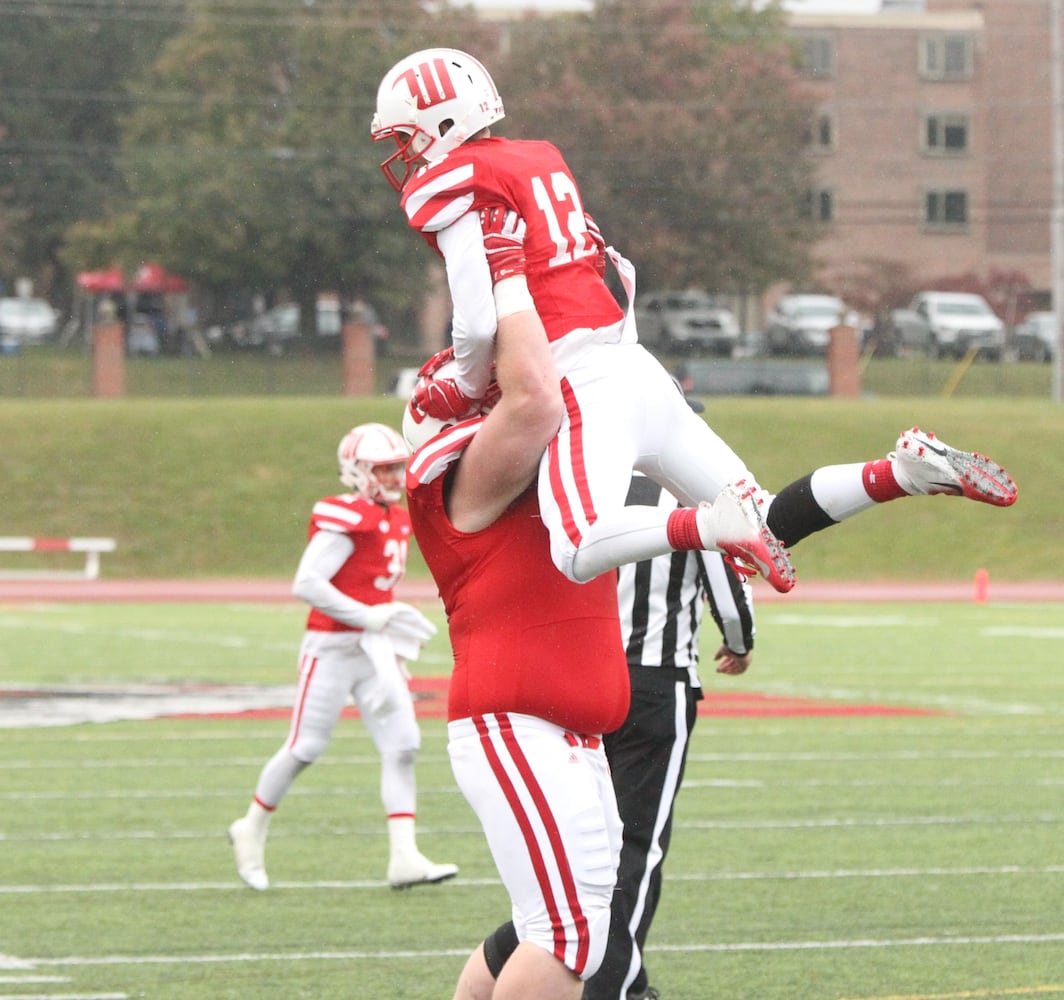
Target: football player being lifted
{"type": "Point", "coordinates": [507, 218]}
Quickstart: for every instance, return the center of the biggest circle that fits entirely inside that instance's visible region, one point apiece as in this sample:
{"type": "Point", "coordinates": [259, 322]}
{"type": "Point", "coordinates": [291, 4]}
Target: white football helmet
{"type": "Point", "coordinates": [418, 426]}
{"type": "Point", "coordinates": [430, 103]}
{"type": "Point", "coordinates": [362, 449]}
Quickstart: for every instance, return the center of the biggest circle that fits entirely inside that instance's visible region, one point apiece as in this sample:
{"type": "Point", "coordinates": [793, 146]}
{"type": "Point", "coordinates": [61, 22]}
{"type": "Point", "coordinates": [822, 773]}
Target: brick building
{"type": "Point", "coordinates": [933, 142]}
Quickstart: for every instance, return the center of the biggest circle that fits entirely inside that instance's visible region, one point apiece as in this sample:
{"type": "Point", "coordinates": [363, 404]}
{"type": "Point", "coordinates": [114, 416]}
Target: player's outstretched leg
{"type": "Point", "coordinates": [735, 525]}
{"type": "Point", "coordinates": [924, 465]}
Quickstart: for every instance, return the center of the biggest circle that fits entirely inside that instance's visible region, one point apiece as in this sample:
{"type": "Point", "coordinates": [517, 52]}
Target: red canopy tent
{"type": "Point", "coordinates": [153, 277]}
{"type": "Point", "coordinates": [108, 280]}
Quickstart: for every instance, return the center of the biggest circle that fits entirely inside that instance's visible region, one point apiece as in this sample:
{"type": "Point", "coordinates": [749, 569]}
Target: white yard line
{"type": "Point", "coordinates": [233, 884]}
{"type": "Point", "coordinates": [821, 823]}
{"type": "Point", "coordinates": [84, 961]}
{"type": "Point", "coordinates": [152, 635]}
{"type": "Point", "coordinates": [754, 784]}
{"type": "Point", "coordinates": [704, 757]}
{"type": "Point", "coordinates": [64, 996]}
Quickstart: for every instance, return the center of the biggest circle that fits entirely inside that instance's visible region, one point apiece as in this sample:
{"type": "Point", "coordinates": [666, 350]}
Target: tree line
{"type": "Point", "coordinates": [229, 139]}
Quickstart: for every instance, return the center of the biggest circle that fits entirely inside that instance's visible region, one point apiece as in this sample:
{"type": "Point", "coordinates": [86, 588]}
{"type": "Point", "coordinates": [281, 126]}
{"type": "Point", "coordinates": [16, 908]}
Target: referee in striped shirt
{"type": "Point", "coordinates": [662, 602]}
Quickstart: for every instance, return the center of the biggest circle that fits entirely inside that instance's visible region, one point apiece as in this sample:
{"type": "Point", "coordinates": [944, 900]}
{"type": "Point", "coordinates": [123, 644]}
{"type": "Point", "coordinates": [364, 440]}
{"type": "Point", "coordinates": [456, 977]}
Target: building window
{"type": "Point", "coordinates": [946, 209]}
{"type": "Point", "coordinates": [819, 205]}
{"type": "Point", "coordinates": [818, 56]}
{"type": "Point", "coordinates": [821, 136]}
{"type": "Point", "coordinates": [945, 57]}
{"type": "Point", "coordinates": [945, 134]}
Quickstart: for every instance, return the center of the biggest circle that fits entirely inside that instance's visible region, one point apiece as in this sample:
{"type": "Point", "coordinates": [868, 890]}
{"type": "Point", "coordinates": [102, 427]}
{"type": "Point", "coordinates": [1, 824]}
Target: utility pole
{"type": "Point", "coordinates": [1056, 72]}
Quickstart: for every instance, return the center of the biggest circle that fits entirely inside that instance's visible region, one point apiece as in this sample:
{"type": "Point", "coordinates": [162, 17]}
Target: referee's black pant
{"type": "Point", "coordinates": [647, 756]}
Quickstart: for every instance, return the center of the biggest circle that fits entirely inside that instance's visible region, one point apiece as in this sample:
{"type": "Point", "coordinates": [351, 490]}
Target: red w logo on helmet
{"type": "Point", "coordinates": [429, 84]}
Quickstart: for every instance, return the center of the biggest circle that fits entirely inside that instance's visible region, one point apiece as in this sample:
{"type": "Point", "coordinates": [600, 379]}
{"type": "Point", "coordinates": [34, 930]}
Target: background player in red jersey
{"type": "Point", "coordinates": [356, 642]}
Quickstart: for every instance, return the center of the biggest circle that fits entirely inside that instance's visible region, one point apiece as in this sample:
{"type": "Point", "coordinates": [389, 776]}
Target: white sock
{"type": "Point", "coordinates": [401, 836]}
{"type": "Point", "coordinates": [839, 490]}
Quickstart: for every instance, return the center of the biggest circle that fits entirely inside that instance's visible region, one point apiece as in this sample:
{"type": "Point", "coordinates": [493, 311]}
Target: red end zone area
{"type": "Point", "coordinates": [430, 701]}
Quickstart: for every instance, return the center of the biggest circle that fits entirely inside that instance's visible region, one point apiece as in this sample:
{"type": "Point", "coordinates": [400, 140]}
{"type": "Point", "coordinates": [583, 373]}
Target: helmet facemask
{"type": "Point", "coordinates": [378, 483]}
{"type": "Point", "coordinates": [411, 147]}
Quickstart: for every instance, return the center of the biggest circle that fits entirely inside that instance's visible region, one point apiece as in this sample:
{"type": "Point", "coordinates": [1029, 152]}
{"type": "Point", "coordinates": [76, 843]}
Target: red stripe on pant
{"type": "Point", "coordinates": [579, 470]}
{"type": "Point", "coordinates": [533, 845]}
{"type": "Point", "coordinates": [307, 666]}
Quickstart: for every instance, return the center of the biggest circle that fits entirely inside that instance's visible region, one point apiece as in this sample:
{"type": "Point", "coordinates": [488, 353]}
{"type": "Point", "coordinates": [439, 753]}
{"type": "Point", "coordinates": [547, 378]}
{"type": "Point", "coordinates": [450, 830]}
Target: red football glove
{"type": "Point", "coordinates": [436, 362]}
{"type": "Point", "coordinates": [441, 398]}
{"type": "Point", "coordinates": [504, 241]}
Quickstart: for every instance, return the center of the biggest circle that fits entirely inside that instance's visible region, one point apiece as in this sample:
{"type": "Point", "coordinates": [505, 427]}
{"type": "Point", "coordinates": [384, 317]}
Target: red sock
{"type": "Point", "coordinates": [879, 481]}
{"type": "Point", "coordinates": [682, 529]}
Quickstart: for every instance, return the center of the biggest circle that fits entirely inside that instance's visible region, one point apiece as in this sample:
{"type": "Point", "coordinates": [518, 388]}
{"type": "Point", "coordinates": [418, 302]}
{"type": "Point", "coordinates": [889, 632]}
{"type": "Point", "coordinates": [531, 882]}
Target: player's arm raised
{"type": "Point", "coordinates": [503, 458]}
{"type": "Point", "coordinates": [473, 317]}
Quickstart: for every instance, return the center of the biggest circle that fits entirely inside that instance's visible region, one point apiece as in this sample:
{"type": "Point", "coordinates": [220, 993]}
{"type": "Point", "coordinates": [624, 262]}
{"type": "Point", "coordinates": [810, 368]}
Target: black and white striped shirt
{"type": "Point", "coordinates": [662, 600]}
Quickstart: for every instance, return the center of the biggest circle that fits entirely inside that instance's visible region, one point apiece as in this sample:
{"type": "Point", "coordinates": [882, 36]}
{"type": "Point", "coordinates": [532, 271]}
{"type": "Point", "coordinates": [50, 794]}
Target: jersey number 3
{"type": "Point", "coordinates": [395, 563]}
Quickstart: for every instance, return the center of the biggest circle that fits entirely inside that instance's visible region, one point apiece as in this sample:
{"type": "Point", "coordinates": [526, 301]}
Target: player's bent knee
{"type": "Point", "coordinates": [405, 757]}
{"type": "Point", "coordinates": [307, 749]}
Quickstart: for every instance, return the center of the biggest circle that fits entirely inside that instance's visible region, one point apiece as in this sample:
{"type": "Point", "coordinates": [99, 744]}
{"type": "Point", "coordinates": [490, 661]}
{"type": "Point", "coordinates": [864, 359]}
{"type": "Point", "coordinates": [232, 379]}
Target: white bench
{"type": "Point", "coordinates": [92, 547]}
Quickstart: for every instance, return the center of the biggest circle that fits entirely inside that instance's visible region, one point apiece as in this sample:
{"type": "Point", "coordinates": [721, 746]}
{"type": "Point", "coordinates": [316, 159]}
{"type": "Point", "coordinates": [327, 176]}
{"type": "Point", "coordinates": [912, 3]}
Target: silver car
{"type": "Point", "coordinates": [1037, 338]}
{"type": "Point", "coordinates": [802, 324]}
{"type": "Point", "coordinates": [686, 322]}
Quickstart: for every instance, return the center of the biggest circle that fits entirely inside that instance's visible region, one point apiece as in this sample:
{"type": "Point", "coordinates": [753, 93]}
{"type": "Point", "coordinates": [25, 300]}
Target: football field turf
{"type": "Point", "coordinates": [874, 812]}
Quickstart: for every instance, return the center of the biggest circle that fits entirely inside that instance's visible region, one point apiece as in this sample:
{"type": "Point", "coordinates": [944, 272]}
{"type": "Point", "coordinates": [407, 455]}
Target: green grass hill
{"type": "Point", "coordinates": [222, 487]}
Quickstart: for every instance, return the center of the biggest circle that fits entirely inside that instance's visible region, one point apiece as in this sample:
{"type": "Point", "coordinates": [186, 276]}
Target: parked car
{"type": "Point", "coordinates": [686, 321]}
{"type": "Point", "coordinates": [26, 321]}
{"type": "Point", "coordinates": [949, 323]}
{"type": "Point", "coordinates": [802, 324]}
{"type": "Point", "coordinates": [1037, 338]}
{"type": "Point", "coordinates": [269, 329]}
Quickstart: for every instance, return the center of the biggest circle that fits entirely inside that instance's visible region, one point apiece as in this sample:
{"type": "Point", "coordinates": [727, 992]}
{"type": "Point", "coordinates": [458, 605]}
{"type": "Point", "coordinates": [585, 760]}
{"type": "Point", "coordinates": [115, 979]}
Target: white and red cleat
{"type": "Point", "coordinates": [925, 466]}
{"type": "Point", "coordinates": [734, 524]}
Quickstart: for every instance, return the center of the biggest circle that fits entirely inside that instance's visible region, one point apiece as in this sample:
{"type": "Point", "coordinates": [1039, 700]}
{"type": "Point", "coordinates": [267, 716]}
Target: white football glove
{"type": "Point", "coordinates": [398, 618]}
{"type": "Point", "coordinates": [409, 622]}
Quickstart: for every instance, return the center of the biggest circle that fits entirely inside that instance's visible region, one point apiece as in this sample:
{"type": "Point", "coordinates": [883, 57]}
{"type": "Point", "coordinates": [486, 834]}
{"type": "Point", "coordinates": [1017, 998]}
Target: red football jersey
{"type": "Point", "coordinates": [382, 539]}
{"type": "Point", "coordinates": [525, 638]}
{"type": "Point", "coordinates": [533, 178]}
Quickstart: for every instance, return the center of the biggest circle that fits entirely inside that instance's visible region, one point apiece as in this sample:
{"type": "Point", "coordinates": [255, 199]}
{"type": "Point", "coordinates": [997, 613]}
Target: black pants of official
{"type": "Point", "coordinates": [647, 756]}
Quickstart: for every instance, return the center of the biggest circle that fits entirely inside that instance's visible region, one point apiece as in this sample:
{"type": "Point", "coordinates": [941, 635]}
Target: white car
{"type": "Point", "coordinates": [26, 321]}
{"type": "Point", "coordinates": [950, 323]}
